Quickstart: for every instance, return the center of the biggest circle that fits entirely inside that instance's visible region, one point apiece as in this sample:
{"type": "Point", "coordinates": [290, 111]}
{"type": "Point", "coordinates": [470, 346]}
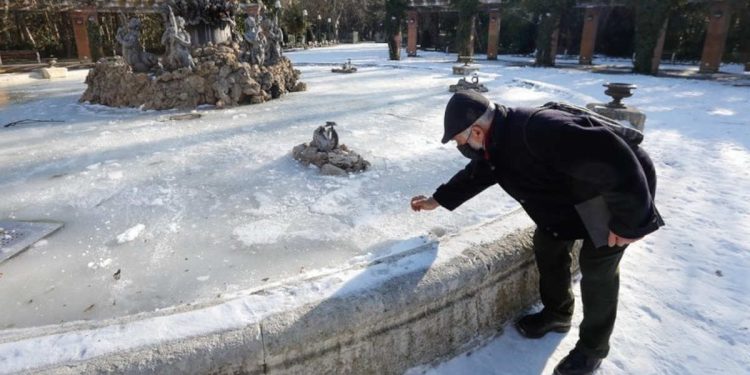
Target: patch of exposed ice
{"type": "Point", "coordinates": [130, 234]}
{"type": "Point", "coordinates": [260, 232]}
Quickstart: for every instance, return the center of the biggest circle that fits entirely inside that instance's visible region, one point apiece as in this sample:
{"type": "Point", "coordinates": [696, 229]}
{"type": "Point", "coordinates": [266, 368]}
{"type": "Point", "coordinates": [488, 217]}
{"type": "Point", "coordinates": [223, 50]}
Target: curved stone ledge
{"type": "Point", "coordinates": [381, 317]}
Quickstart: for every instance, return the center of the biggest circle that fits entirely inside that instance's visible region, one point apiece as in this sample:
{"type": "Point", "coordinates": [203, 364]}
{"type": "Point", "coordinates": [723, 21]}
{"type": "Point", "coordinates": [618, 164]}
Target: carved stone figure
{"type": "Point", "coordinates": [132, 49]}
{"type": "Point", "coordinates": [326, 153]}
{"type": "Point", "coordinates": [347, 67]}
{"type": "Point", "coordinates": [463, 84]}
{"type": "Point", "coordinates": [177, 43]}
{"type": "Point", "coordinates": [274, 36]}
{"type": "Point", "coordinates": [325, 139]}
{"type": "Point", "coordinates": [255, 41]}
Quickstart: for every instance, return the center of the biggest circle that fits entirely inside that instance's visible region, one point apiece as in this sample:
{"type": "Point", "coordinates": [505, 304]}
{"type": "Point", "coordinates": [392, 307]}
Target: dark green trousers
{"type": "Point", "coordinates": [600, 284]}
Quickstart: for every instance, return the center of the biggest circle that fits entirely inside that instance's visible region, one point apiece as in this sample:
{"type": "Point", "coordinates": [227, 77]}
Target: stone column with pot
{"type": "Point", "coordinates": [616, 109]}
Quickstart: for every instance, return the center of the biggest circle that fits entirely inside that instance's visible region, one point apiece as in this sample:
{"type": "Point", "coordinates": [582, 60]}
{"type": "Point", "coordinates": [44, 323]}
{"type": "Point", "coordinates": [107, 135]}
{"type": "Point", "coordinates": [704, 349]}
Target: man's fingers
{"type": "Point", "coordinates": [417, 202]}
{"type": "Point", "coordinates": [612, 240]}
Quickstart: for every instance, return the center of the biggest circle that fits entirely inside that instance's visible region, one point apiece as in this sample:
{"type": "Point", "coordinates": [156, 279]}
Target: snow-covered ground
{"type": "Point", "coordinates": [625, 63]}
{"type": "Point", "coordinates": [193, 211]}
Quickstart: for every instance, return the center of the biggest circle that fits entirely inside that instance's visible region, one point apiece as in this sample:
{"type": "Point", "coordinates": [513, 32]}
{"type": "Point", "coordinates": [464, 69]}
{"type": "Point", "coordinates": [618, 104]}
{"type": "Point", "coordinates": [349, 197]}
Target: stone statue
{"type": "Point", "coordinates": [275, 36]}
{"type": "Point", "coordinates": [132, 49]}
{"type": "Point", "coordinates": [328, 154]}
{"type": "Point", "coordinates": [255, 41]}
{"type": "Point", "coordinates": [177, 43]}
{"type": "Point", "coordinates": [325, 137]}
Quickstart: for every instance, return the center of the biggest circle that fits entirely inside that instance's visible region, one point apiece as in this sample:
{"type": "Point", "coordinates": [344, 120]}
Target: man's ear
{"type": "Point", "coordinates": [476, 131]}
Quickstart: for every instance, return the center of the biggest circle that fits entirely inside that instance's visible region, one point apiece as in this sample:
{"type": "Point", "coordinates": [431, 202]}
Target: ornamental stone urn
{"type": "Point", "coordinates": [618, 91]}
{"type": "Point", "coordinates": [616, 110]}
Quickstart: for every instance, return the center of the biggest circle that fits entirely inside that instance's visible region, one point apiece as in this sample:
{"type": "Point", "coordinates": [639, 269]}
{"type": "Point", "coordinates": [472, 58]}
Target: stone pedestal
{"type": "Point", "coordinates": [51, 73]}
{"type": "Point", "coordinates": [632, 115]}
{"type": "Point", "coordinates": [465, 70]}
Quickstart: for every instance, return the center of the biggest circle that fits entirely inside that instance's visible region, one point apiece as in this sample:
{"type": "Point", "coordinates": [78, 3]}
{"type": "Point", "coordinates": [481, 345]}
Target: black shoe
{"type": "Point", "coordinates": [577, 363]}
{"type": "Point", "coordinates": [537, 325]}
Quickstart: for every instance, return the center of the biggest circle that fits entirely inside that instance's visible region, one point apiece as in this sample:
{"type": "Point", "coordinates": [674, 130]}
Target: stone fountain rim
{"type": "Point", "coordinates": [448, 265]}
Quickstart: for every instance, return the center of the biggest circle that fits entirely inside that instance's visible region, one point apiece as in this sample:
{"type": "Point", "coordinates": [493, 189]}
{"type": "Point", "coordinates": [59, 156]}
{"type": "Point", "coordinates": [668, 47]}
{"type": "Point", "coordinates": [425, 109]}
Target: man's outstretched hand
{"type": "Point", "coordinates": [420, 202]}
{"type": "Point", "coordinates": [619, 241]}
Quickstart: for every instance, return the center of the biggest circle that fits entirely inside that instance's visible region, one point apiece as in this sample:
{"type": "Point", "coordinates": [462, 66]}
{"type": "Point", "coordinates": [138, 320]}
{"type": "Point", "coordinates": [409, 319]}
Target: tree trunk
{"type": "Point", "coordinates": [394, 46]}
{"type": "Point", "coordinates": [744, 47]}
{"type": "Point", "coordinates": [19, 33]}
{"type": "Point", "coordinates": [650, 18]}
{"type": "Point", "coordinates": [465, 34]}
{"type": "Point", "coordinates": [546, 39]}
{"type": "Point", "coordinates": [394, 14]}
{"type": "Point", "coordinates": [31, 37]}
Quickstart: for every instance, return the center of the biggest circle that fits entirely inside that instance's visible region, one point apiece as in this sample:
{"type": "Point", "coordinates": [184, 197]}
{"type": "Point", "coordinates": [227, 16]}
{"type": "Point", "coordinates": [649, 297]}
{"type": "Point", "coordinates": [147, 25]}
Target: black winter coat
{"type": "Point", "coordinates": [555, 160]}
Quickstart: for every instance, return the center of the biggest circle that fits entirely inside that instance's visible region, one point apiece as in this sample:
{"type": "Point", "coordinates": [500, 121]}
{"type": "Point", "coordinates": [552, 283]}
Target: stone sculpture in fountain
{"type": "Point", "coordinates": [177, 44]}
{"type": "Point", "coordinates": [347, 67]}
{"type": "Point", "coordinates": [274, 36]}
{"type": "Point", "coordinates": [464, 84]}
{"type": "Point", "coordinates": [206, 62]}
{"type": "Point", "coordinates": [255, 43]}
{"type": "Point", "coordinates": [129, 37]}
{"type": "Point", "coordinates": [326, 153]}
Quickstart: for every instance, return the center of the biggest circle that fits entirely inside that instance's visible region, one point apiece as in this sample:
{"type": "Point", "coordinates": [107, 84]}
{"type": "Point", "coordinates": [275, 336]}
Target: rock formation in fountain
{"type": "Point", "coordinates": [224, 74]}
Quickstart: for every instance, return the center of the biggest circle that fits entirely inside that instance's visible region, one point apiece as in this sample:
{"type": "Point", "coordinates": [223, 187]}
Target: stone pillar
{"type": "Point", "coordinates": [553, 43]}
{"type": "Point", "coordinates": [588, 39]}
{"type": "Point", "coordinates": [716, 36]}
{"type": "Point", "coordinates": [659, 49]}
{"type": "Point", "coordinates": [493, 39]}
{"type": "Point", "coordinates": [80, 21]}
{"type": "Point", "coordinates": [412, 21]}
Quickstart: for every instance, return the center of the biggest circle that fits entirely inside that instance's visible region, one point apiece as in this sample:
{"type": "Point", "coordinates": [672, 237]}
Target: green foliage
{"type": "Point", "coordinates": [738, 41]}
{"type": "Point", "coordinates": [616, 32]}
{"type": "Point", "coordinates": [152, 28]}
{"type": "Point", "coordinates": [686, 32]}
{"type": "Point", "coordinates": [650, 18]}
{"type": "Point", "coordinates": [95, 40]}
{"type": "Point", "coordinates": [549, 15]}
{"type": "Point", "coordinates": [467, 12]}
{"type": "Point", "coordinates": [517, 31]}
{"type": "Point", "coordinates": [293, 21]}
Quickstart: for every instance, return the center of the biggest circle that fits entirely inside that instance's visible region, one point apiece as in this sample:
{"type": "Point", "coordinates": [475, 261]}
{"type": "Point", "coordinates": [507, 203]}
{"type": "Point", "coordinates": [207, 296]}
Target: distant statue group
{"type": "Point", "coordinates": [261, 41]}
